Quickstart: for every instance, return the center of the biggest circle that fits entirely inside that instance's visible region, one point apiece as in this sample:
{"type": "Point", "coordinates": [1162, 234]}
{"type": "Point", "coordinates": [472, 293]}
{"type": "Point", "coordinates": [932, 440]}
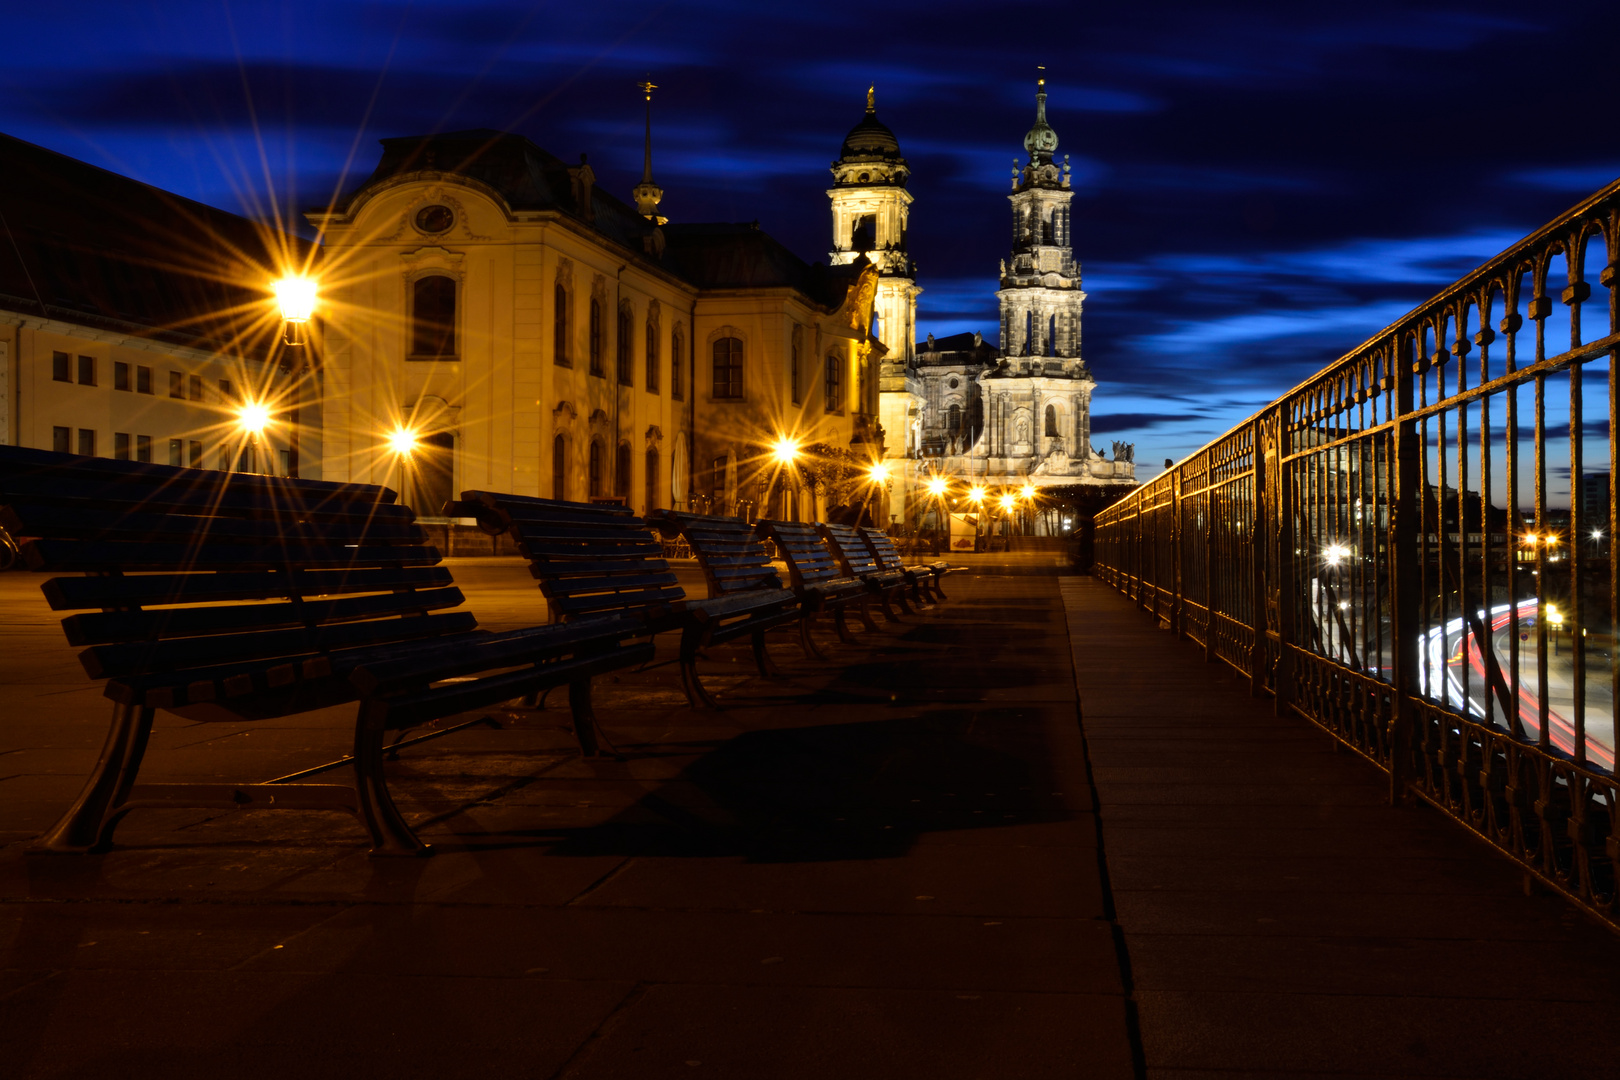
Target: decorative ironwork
{"type": "Point", "coordinates": [1414, 550]}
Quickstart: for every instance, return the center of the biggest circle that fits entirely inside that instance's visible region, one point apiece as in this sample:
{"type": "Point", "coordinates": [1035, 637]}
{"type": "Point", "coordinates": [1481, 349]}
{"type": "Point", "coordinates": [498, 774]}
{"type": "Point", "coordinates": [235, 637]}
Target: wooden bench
{"type": "Point", "coordinates": [813, 572]}
{"type": "Point", "coordinates": [232, 597]}
{"type": "Point", "coordinates": [925, 578]}
{"type": "Point", "coordinates": [887, 587]}
{"type": "Point", "coordinates": [595, 560]}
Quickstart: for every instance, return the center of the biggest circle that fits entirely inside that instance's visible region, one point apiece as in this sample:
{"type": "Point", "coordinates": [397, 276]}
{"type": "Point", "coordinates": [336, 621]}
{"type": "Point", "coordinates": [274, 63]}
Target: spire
{"type": "Point", "coordinates": [647, 193]}
{"type": "Point", "coordinates": [871, 98]}
{"type": "Point", "coordinates": [1041, 140]}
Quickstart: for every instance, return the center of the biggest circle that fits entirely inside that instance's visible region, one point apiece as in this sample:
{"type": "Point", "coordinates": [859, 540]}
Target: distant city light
{"type": "Point", "coordinates": [1028, 491]}
{"type": "Point", "coordinates": [936, 486]}
{"type": "Point", "coordinates": [785, 451]}
{"type": "Point", "coordinates": [1009, 501]}
{"type": "Point", "coordinates": [879, 473]}
{"type": "Point", "coordinates": [253, 417]}
{"type": "Point", "coordinates": [1335, 554]}
{"type": "Point", "coordinates": [402, 441]}
{"type": "Point", "coordinates": [977, 494]}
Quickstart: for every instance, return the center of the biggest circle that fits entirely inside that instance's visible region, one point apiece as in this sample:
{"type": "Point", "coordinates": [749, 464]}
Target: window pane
{"type": "Point", "coordinates": [177, 385]}
{"type": "Point", "coordinates": [121, 445]}
{"type": "Point", "coordinates": [87, 371]}
{"type": "Point", "coordinates": [627, 330]}
{"type": "Point", "coordinates": [177, 452]}
{"type": "Point", "coordinates": [143, 448]}
{"type": "Point", "coordinates": [596, 469]}
{"type": "Point", "coordinates": [87, 442]}
{"type": "Point", "coordinates": [433, 318]}
{"type": "Point", "coordinates": [559, 467]}
{"type": "Point", "coordinates": [120, 375]}
{"type": "Point", "coordinates": [143, 380]}
{"type": "Point", "coordinates": [62, 440]}
{"type": "Point", "coordinates": [195, 383]}
{"type": "Point", "coordinates": [728, 368]}
{"type": "Point", "coordinates": [651, 465]}
{"type": "Point", "coordinates": [559, 329]}
{"type": "Point", "coordinates": [596, 337]}
{"type": "Point", "coordinates": [835, 383]}
{"type": "Point", "coordinates": [621, 472]}
{"type": "Point", "coordinates": [60, 362]}
{"type": "Point", "coordinates": [195, 449]}
{"type": "Point", "coordinates": [677, 373]}
{"type": "Point", "coordinates": [652, 357]}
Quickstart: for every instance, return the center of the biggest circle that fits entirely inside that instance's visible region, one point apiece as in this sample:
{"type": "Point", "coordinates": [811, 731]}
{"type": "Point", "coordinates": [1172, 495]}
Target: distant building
{"type": "Point", "coordinates": [135, 323]}
{"type": "Point", "coordinates": [1004, 415]}
{"type": "Point", "coordinates": [1595, 494]}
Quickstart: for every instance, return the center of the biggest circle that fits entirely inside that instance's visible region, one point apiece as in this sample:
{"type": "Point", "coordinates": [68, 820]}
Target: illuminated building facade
{"type": "Point", "coordinates": [135, 323]}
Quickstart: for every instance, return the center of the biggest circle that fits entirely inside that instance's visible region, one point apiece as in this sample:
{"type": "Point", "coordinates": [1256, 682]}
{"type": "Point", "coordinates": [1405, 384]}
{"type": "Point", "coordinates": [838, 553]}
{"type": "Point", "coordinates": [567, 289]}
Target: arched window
{"type": "Point", "coordinates": [559, 467]}
{"type": "Point", "coordinates": [1051, 421]}
{"type": "Point", "coordinates": [728, 368]}
{"type": "Point", "coordinates": [654, 361]}
{"type": "Point", "coordinates": [596, 336]}
{"type": "Point", "coordinates": [626, 346]}
{"type": "Point", "coordinates": [1046, 231]}
{"type": "Point", "coordinates": [621, 472]}
{"type": "Point", "coordinates": [835, 382]}
{"type": "Point", "coordinates": [794, 378]}
{"type": "Point", "coordinates": [652, 479]}
{"type": "Point", "coordinates": [559, 327]}
{"type": "Point", "coordinates": [677, 367]}
{"type": "Point", "coordinates": [595, 474]}
{"type": "Point", "coordinates": [953, 419]}
{"type": "Point", "coordinates": [433, 318]}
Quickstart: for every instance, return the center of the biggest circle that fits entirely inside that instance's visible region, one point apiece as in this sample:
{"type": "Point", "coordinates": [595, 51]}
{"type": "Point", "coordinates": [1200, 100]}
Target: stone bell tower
{"type": "Point", "coordinates": [1040, 287]}
{"type": "Point", "coordinates": [870, 209]}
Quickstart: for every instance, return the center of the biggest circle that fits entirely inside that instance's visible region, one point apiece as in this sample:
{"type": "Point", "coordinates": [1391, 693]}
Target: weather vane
{"type": "Point", "coordinates": [647, 86]}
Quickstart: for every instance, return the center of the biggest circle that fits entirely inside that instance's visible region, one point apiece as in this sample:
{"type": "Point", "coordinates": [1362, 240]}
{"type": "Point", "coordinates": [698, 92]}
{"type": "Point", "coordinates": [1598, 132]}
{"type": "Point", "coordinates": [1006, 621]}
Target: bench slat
{"type": "Point", "coordinates": [134, 657]}
{"type": "Point", "coordinates": [90, 555]}
{"type": "Point", "coordinates": [219, 500]}
{"type": "Point", "coordinates": [65, 594]}
{"type": "Point", "coordinates": [104, 627]}
{"type": "Point", "coordinates": [36, 519]}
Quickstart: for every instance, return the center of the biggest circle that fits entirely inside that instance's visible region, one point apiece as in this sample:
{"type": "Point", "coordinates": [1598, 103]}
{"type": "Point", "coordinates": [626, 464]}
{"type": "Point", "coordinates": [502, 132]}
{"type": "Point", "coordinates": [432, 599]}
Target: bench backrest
{"type": "Point", "coordinates": [321, 566]}
{"type": "Point", "coordinates": [849, 549]}
{"type": "Point", "coordinates": [881, 545]}
{"type": "Point", "coordinates": [808, 561]}
{"type": "Point", "coordinates": [591, 559]}
{"type": "Point", "coordinates": [731, 555]}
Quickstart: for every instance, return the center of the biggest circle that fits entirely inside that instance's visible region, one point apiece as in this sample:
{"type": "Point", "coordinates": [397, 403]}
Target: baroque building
{"type": "Point", "coordinates": [1017, 412]}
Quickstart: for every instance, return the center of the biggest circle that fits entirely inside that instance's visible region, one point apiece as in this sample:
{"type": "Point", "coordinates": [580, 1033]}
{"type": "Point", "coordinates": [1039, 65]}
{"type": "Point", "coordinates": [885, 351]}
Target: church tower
{"type": "Point", "coordinates": [870, 209]}
{"type": "Point", "coordinates": [1040, 288]}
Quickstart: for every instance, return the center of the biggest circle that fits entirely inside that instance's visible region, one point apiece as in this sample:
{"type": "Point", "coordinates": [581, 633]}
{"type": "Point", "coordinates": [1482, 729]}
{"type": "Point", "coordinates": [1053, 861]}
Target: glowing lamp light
{"type": "Point", "coordinates": [977, 494]}
{"type": "Point", "coordinates": [1555, 616]}
{"type": "Point", "coordinates": [879, 473]}
{"type": "Point", "coordinates": [1530, 539]}
{"type": "Point", "coordinates": [1597, 534]}
{"type": "Point", "coordinates": [1009, 501]}
{"type": "Point", "coordinates": [402, 441]}
{"type": "Point", "coordinates": [1335, 554]}
{"type": "Point", "coordinates": [253, 417]}
{"type": "Point", "coordinates": [936, 486]}
{"type": "Point", "coordinates": [1028, 491]}
{"type": "Point", "coordinates": [785, 451]}
{"type": "Point", "coordinates": [295, 295]}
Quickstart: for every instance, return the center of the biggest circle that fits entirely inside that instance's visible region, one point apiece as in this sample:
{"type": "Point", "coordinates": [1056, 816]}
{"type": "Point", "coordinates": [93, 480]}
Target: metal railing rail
{"type": "Point", "coordinates": [1412, 550]}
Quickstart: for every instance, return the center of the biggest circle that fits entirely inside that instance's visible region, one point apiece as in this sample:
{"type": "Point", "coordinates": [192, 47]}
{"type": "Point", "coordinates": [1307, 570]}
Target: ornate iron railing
{"type": "Point", "coordinates": [1413, 549]}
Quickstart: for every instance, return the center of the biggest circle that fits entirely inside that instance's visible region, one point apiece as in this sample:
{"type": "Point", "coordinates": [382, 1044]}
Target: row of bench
{"type": "Point", "coordinates": [231, 597]}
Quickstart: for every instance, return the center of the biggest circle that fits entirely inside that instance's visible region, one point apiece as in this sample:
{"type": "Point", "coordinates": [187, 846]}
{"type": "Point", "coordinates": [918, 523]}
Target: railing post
{"type": "Point", "coordinates": [1178, 611]}
{"type": "Point", "coordinates": [1257, 559]}
{"type": "Point", "coordinates": [1404, 602]}
{"type": "Point", "coordinates": [1287, 568]}
{"type": "Point", "coordinates": [1210, 590]}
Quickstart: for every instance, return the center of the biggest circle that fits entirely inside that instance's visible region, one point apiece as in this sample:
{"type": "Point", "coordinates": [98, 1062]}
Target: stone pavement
{"type": "Point", "coordinates": [886, 866]}
{"type": "Point", "coordinates": [1282, 920]}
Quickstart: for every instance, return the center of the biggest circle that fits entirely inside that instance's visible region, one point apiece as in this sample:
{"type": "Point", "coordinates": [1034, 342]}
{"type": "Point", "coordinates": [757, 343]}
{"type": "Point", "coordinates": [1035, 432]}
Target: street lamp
{"type": "Point", "coordinates": [1334, 554]}
{"type": "Point", "coordinates": [403, 441]}
{"type": "Point", "coordinates": [1555, 619]}
{"type": "Point", "coordinates": [295, 295]}
{"type": "Point", "coordinates": [976, 497]}
{"type": "Point", "coordinates": [937, 486]}
{"type": "Point", "coordinates": [786, 451]}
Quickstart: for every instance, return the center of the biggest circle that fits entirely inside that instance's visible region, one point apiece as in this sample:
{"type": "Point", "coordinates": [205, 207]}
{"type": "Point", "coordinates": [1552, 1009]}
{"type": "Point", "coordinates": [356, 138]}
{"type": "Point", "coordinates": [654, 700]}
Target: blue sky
{"type": "Point", "coordinates": [1259, 187]}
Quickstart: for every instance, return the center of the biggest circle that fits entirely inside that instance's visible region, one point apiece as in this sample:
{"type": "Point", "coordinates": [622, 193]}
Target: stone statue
{"type": "Point", "coordinates": [1124, 451]}
{"type": "Point", "coordinates": [916, 433]}
{"type": "Point", "coordinates": [930, 342]}
{"type": "Point", "coordinates": [1023, 429]}
{"type": "Point", "coordinates": [978, 339]}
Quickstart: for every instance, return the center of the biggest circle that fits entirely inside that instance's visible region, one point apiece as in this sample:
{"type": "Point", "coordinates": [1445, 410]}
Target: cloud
{"type": "Point", "coordinates": [1573, 179]}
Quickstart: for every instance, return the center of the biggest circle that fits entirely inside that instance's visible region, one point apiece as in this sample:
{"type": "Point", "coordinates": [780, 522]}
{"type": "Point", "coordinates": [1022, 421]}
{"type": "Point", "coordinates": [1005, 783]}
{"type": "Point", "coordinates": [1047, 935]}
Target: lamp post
{"type": "Point", "coordinates": [976, 497]}
{"type": "Point", "coordinates": [1555, 619]}
{"type": "Point", "coordinates": [876, 477]}
{"type": "Point", "coordinates": [937, 486]}
{"type": "Point", "coordinates": [295, 296]}
{"type": "Point", "coordinates": [785, 452]}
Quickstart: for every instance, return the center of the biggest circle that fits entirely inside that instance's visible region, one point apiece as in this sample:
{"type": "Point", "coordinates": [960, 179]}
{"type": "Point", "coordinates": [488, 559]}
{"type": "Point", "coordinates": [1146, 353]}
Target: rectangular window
{"type": "Point", "coordinates": [177, 451]}
{"type": "Point", "coordinates": [62, 440]}
{"type": "Point", "coordinates": [87, 442]}
{"type": "Point", "coordinates": [285, 458]}
{"type": "Point", "coordinates": [60, 367]}
{"type": "Point", "coordinates": [177, 385]}
{"type": "Point", "coordinates": [728, 368]}
{"type": "Point", "coordinates": [717, 474]}
{"type": "Point", "coordinates": [121, 445]}
{"type": "Point", "coordinates": [196, 388]}
{"type": "Point", "coordinates": [677, 373]}
{"type": "Point", "coordinates": [196, 454]}
{"type": "Point", "coordinates": [120, 375]}
{"type": "Point", "coordinates": [224, 459]}
{"type": "Point", "coordinates": [835, 382]}
{"type": "Point", "coordinates": [87, 371]}
{"type": "Point", "coordinates": [143, 448]}
{"type": "Point", "coordinates": [143, 380]}
{"type": "Point", "coordinates": [225, 392]}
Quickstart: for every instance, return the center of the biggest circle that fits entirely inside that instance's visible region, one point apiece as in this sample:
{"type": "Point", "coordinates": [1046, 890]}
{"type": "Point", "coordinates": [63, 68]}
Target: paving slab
{"type": "Point", "coordinates": [1280, 919]}
{"type": "Point", "coordinates": [883, 866]}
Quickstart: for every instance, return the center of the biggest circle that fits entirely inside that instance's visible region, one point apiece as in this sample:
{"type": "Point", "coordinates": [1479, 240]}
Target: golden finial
{"type": "Point", "coordinates": [1041, 82]}
{"type": "Point", "coordinates": [871, 98]}
{"type": "Point", "coordinates": [647, 86]}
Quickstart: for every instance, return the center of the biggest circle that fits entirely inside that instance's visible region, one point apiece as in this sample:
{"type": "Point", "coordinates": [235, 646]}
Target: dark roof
{"type": "Point", "coordinates": [88, 246]}
{"type": "Point", "coordinates": [870, 138]}
{"type": "Point", "coordinates": [958, 343]}
{"type": "Point", "coordinates": [738, 255]}
{"type": "Point", "coordinates": [523, 174]}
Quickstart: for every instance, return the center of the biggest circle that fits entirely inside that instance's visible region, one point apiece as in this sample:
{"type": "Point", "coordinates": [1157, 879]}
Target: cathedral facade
{"type": "Point", "coordinates": [1000, 415]}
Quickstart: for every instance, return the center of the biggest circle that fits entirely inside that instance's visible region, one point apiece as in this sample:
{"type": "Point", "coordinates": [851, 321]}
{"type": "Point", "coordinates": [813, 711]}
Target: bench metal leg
{"type": "Point", "coordinates": [586, 730]}
{"type": "Point", "coordinates": [905, 604]}
{"type": "Point", "coordinates": [691, 649]}
{"type": "Point", "coordinates": [841, 622]}
{"type": "Point", "coordinates": [807, 642]}
{"type": "Point", "coordinates": [939, 586]}
{"type": "Point", "coordinates": [89, 824]}
{"type": "Point", "coordinates": [888, 608]}
{"type": "Point", "coordinates": [762, 658]}
{"type": "Point", "coordinates": [390, 836]}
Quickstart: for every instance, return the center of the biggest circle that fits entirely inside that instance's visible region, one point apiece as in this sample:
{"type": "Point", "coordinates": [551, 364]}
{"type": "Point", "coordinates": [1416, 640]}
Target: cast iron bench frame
{"type": "Point", "coordinates": [357, 611]}
{"type": "Point", "coordinates": [925, 578]}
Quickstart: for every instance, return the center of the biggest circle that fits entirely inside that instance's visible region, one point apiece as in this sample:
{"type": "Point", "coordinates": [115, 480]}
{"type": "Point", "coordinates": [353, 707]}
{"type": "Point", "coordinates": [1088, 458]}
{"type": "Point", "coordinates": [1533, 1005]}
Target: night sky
{"type": "Point", "coordinates": [1259, 188]}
